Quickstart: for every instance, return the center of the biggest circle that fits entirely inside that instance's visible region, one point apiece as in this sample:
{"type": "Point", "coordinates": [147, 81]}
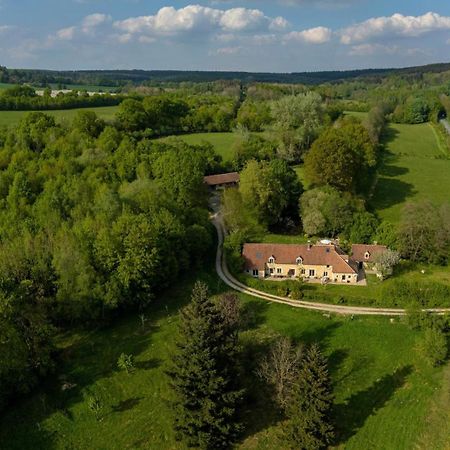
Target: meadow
{"type": "Point", "coordinates": [415, 167]}
{"type": "Point", "coordinates": [11, 118]}
{"type": "Point", "coordinates": [386, 397]}
{"type": "Point", "coordinates": [222, 142]}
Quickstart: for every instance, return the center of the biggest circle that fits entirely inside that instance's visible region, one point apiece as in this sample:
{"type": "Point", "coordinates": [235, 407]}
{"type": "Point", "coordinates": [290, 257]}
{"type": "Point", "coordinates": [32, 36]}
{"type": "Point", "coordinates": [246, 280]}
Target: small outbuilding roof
{"type": "Point", "coordinates": [222, 178]}
{"type": "Point", "coordinates": [366, 252]}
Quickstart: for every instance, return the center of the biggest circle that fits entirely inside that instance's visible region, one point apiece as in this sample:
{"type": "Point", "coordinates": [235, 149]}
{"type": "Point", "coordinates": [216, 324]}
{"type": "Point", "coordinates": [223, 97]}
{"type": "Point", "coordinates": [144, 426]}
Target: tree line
{"type": "Point", "coordinates": [25, 98]}
{"type": "Point", "coordinates": [92, 221]}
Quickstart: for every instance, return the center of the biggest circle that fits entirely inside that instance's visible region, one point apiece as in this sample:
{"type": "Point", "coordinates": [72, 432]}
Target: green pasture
{"type": "Point", "coordinates": [415, 167]}
{"type": "Point", "coordinates": [222, 142]}
{"type": "Point", "coordinates": [385, 395]}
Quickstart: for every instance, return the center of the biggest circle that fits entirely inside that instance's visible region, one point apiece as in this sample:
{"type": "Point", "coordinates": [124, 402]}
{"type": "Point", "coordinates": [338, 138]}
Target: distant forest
{"type": "Point", "coordinates": [118, 78]}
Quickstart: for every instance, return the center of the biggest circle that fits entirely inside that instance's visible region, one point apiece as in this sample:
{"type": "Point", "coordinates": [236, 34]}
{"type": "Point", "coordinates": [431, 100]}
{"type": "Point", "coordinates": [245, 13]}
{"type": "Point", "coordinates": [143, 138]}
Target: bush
{"type": "Point", "coordinates": [434, 346]}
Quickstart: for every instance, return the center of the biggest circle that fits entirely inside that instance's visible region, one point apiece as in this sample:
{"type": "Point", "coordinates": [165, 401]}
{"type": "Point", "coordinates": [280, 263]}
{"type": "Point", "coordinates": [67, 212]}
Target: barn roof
{"type": "Point", "coordinates": [222, 178]}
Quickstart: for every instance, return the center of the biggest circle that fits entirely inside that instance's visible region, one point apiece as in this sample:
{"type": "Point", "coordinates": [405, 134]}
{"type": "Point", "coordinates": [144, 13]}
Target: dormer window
{"type": "Point", "coordinates": [271, 260]}
{"type": "Point", "coordinates": [299, 260]}
{"type": "Point", "coordinates": [367, 255]}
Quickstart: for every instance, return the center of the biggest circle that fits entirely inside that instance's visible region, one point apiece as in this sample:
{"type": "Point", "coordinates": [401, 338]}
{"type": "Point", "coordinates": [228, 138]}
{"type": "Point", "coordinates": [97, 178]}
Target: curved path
{"type": "Point", "coordinates": [227, 278]}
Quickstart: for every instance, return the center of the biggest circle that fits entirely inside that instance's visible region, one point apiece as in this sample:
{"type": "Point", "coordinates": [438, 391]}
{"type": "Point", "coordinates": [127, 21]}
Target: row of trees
{"type": "Point", "coordinates": [206, 373]}
{"type": "Point", "coordinates": [92, 220]}
{"type": "Point", "coordinates": [25, 98]}
{"type": "Point", "coordinates": [175, 114]}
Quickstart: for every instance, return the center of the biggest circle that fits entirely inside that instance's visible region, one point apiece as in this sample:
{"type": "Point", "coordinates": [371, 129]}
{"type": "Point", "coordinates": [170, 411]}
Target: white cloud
{"type": "Point", "coordinates": [395, 25]}
{"type": "Point", "coordinates": [228, 50]}
{"type": "Point", "coordinates": [372, 49]}
{"type": "Point", "coordinates": [196, 18]}
{"type": "Point", "coordinates": [279, 23]}
{"type": "Point", "coordinates": [5, 28]}
{"type": "Point", "coordinates": [94, 20]}
{"type": "Point", "coordinates": [317, 35]}
{"type": "Point", "coordinates": [66, 34]}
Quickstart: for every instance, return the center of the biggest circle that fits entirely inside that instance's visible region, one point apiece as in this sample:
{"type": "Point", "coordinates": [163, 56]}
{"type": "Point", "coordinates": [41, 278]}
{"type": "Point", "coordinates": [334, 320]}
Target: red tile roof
{"type": "Point", "coordinates": [359, 251]}
{"type": "Point", "coordinates": [223, 178]}
{"type": "Point", "coordinates": [257, 255]}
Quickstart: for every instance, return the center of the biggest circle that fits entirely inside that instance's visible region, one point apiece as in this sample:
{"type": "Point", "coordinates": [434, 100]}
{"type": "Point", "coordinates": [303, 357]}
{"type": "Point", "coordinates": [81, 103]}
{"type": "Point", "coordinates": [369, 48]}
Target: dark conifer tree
{"type": "Point", "coordinates": [203, 375]}
{"type": "Point", "coordinates": [309, 410]}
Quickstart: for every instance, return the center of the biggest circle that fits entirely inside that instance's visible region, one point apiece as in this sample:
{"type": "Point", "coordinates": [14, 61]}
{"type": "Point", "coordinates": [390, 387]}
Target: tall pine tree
{"type": "Point", "coordinates": [309, 409]}
{"type": "Point", "coordinates": [204, 376]}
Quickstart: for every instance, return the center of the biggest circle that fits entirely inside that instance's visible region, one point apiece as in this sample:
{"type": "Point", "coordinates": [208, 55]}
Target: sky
{"type": "Point", "coordinates": [232, 35]}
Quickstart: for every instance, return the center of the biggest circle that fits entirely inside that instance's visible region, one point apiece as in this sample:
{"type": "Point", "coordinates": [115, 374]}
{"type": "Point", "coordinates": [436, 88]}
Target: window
{"type": "Point", "coordinates": [343, 277]}
{"type": "Point", "coordinates": [325, 274]}
{"type": "Point", "coordinates": [299, 260]}
{"type": "Point", "coordinates": [367, 255]}
{"type": "Point", "coordinates": [271, 260]}
{"type": "Point", "coordinates": [279, 271]}
{"type": "Point", "coordinates": [255, 272]}
{"type": "Point", "coordinates": [303, 271]}
{"type": "Point", "coordinates": [312, 272]}
{"type": "Point", "coordinates": [271, 271]}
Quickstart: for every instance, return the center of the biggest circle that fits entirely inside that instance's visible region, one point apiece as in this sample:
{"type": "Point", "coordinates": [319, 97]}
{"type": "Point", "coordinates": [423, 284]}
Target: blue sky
{"type": "Point", "coordinates": [250, 35]}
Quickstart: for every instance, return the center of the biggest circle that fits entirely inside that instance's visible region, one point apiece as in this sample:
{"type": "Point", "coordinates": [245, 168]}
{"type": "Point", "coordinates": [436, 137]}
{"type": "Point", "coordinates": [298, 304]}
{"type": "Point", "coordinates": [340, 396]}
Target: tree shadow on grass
{"type": "Point", "coordinates": [126, 405]}
{"type": "Point", "coordinates": [149, 364]}
{"type": "Point", "coordinates": [390, 192]}
{"type": "Point", "coordinates": [389, 135]}
{"type": "Point", "coordinates": [253, 314]}
{"type": "Point", "coordinates": [351, 415]}
{"type": "Point", "coordinates": [335, 360]}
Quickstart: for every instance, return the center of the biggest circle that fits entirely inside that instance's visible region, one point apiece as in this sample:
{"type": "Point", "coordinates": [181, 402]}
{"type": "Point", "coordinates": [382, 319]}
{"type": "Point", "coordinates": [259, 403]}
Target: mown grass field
{"type": "Point", "coordinates": [415, 167]}
{"type": "Point", "coordinates": [385, 393]}
{"type": "Point", "coordinates": [11, 118]}
{"type": "Point", "coordinates": [222, 142]}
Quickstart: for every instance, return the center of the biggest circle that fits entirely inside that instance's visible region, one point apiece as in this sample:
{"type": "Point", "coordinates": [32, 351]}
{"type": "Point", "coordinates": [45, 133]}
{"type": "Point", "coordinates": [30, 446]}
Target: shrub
{"type": "Point", "coordinates": [434, 346]}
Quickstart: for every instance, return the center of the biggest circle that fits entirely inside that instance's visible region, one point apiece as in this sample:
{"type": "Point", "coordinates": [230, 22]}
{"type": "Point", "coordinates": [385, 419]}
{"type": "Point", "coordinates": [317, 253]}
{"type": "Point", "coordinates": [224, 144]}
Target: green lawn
{"type": "Point", "coordinates": [414, 168]}
{"type": "Point", "coordinates": [6, 85]}
{"type": "Point", "coordinates": [222, 142]}
{"type": "Point", "coordinates": [11, 118]}
{"type": "Point", "coordinates": [384, 391]}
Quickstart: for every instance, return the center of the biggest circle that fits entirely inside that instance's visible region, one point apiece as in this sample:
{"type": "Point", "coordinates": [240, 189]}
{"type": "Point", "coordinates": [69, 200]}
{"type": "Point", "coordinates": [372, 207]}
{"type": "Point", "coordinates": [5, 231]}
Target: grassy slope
{"type": "Point", "coordinates": [382, 389]}
{"type": "Point", "coordinates": [11, 118]}
{"type": "Point", "coordinates": [411, 171]}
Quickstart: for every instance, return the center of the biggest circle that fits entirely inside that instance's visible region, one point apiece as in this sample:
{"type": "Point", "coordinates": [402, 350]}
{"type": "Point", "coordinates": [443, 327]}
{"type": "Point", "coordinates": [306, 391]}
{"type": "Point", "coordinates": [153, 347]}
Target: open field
{"type": "Point", "coordinates": [6, 86]}
{"type": "Point", "coordinates": [383, 389]}
{"type": "Point", "coordinates": [222, 142]}
{"type": "Point", "coordinates": [415, 167]}
{"type": "Point", "coordinates": [11, 118]}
